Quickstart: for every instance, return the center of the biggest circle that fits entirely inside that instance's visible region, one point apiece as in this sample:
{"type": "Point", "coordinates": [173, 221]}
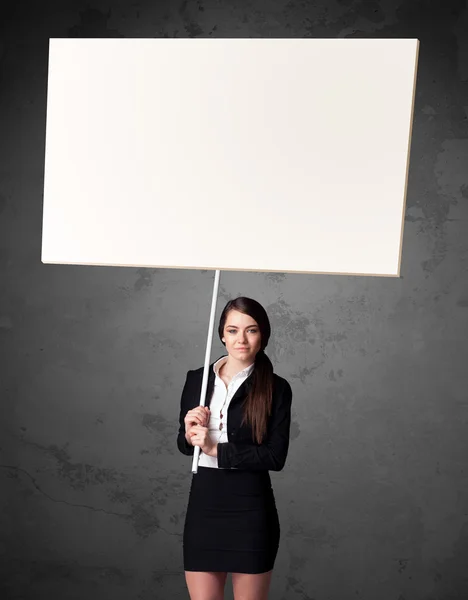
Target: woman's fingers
{"type": "Point", "coordinates": [203, 412]}
{"type": "Point", "coordinates": [195, 429]}
{"type": "Point", "coordinates": [198, 435]}
{"type": "Point", "coordinates": [200, 414]}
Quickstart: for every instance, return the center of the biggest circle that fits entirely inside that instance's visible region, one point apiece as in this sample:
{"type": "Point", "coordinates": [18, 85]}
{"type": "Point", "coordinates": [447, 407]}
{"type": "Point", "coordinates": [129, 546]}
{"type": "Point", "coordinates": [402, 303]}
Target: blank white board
{"type": "Point", "coordinates": [286, 155]}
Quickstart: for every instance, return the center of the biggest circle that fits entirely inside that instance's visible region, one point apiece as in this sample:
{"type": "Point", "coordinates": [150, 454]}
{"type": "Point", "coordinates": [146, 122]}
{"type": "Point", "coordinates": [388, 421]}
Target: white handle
{"type": "Point", "coordinates": [196, 453]}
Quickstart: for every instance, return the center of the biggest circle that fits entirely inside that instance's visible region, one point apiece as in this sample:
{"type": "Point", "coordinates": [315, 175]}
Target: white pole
{"type": "Point", "coordinates": [196, 453]}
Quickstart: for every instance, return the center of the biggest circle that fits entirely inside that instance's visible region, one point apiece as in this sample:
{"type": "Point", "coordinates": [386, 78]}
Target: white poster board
{"type": "Point", "coordinates": [286, 155]}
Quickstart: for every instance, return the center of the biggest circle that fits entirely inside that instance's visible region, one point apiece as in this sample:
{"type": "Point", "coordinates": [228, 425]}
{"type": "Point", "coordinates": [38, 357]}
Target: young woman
{"type": "Point", "coordinates": [231, 524]}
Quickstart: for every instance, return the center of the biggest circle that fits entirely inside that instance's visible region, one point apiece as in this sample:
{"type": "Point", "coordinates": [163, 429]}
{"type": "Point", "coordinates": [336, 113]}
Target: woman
{"type": "Point", "coordinates": [231, 524]}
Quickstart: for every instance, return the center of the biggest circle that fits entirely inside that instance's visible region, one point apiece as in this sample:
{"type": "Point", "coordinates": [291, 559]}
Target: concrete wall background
{"type": "Point", "coordinates": [373, 500]}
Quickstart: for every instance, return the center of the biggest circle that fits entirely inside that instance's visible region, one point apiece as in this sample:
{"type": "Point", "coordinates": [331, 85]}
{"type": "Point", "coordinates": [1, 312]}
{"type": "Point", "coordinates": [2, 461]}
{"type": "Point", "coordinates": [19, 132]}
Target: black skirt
{"type": "Point", "coordinates": [231, 523]}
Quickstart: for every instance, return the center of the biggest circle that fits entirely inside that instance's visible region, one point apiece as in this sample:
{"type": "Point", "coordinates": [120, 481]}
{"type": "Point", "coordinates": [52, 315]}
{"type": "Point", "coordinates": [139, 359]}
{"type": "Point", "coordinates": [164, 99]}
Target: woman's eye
{"type": "Point", "coordinates": [234, 331]}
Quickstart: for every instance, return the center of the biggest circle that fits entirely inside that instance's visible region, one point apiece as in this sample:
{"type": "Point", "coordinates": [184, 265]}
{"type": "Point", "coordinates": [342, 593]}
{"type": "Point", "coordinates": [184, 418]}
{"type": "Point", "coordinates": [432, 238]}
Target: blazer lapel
{"type": "Point", "coordinates": [241, 392]}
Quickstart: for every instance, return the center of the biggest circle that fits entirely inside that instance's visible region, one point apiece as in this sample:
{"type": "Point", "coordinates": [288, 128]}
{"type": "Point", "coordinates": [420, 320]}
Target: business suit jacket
{"type": "Point", "coordinates": [241, 451]}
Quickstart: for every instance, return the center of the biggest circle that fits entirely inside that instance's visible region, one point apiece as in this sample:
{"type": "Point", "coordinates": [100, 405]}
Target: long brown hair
{"type": "Point", "coordinates": [257, 404]}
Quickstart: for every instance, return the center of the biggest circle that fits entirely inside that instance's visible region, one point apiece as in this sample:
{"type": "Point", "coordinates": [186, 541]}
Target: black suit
{"type": "Point", "coordinates": [241, 451]}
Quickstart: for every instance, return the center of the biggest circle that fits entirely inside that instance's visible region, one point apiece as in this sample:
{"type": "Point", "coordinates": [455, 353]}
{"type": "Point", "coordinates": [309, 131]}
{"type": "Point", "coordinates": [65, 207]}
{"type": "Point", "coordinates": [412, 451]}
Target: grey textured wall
{"type": "Point", "coordinates": [373, 500]}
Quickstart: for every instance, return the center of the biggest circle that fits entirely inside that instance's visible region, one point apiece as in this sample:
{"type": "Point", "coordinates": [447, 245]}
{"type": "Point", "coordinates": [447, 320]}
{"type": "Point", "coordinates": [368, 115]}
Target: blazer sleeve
{"type": "Point", "coordinates": [271, 454]}
{"type": "Point", "coordinates": [182, 443]}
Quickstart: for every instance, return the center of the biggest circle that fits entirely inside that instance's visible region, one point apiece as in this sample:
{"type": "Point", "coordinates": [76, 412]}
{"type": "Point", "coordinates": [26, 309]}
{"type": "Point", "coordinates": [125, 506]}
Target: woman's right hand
{"type": "Point", "coordinates": [200, 415]}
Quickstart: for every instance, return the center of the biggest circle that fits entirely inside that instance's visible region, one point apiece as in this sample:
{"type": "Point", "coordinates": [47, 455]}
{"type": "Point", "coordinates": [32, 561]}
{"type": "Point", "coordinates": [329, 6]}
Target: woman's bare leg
{"type": "Point", "coordinates": [206, 585]}
{"type": "Point", "coordinates": [247, 586]}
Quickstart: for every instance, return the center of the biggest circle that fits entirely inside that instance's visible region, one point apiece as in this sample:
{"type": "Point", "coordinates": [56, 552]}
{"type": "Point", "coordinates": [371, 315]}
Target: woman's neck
{"type": "Point", "coordinates": [231, 367]}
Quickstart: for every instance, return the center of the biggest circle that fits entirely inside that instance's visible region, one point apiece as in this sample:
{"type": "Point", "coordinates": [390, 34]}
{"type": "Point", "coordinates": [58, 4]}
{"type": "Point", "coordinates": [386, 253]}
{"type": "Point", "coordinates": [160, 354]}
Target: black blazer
{"type": "Point", "coordinates": [241, 451]}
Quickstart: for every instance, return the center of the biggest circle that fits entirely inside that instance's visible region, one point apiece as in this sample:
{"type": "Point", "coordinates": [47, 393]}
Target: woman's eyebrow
{"type": "Point", "coordinates": [235, 326]}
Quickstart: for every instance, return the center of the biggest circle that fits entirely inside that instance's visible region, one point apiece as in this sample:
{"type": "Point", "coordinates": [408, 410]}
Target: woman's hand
{"type": "Point", "coordinates": [196, 421]}
{"type": "Point", "coordinates": [200, 415]}
{"type": "Point", "coordinates": [199, 436]}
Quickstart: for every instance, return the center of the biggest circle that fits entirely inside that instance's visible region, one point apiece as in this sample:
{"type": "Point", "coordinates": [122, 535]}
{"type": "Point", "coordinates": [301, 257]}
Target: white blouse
{"type": "Point", "coordinates": [221, 395]}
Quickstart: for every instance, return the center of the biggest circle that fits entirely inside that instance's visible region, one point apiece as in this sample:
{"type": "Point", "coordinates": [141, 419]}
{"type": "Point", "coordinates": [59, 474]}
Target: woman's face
{"type": "Point", "coordinates": [241, 331]}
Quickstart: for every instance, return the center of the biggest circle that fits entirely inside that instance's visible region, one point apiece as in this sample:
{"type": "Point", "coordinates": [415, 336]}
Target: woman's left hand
{"type": "Point", "coordinates": [200, 437]}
